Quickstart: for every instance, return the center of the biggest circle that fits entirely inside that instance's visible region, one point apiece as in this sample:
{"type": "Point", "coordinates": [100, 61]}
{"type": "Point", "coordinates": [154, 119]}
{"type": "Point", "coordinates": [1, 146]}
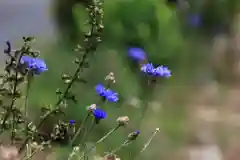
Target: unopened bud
{"type": "Point", "coordinates": [123, 120]}
{"type": "Point", "coordinates": [91, 107]}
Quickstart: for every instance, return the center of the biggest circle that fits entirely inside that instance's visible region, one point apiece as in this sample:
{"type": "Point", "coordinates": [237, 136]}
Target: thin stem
{"type": "Point", "coordinates": [107, 135]}
{"type": "Point", "coordinates": [146, 144]}
{"type": "Point", "coordinates": [100, 140]}
{"type": "Point", "coordinates": [13, 92]}
{"type": "Point", "coordinates": [80, 129]}
{"type": "Point", "coordinates": [13, 128]}
{"type": "Point", "coordinates": [26, 101]}
{"type": "Point", "coordinates": [9, 111]}
{"type": "Point", "coordinates": [86, 133]}
{"type": "Point", "coordinates": [126, 143]}
{"type": "Point", "coordinates": [149, 141]}
{"type": "Point", "coordinates": [30, 157]}
{"type": "Point", "coordinates": [145, 104]}
{"type": "Point", "coordinates": [29, 76]}
{"type": "Point", "coordinates": [28, 150]}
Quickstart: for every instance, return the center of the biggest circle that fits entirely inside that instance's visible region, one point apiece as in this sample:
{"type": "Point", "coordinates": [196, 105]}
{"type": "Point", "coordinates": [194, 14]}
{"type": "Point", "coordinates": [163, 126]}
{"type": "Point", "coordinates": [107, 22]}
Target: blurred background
{"type": "Point", "coordinates": [197, 109]}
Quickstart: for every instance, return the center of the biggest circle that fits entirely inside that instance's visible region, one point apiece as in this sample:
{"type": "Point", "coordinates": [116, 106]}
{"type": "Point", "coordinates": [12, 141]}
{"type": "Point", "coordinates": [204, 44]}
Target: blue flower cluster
{"type": "Point", "coordinates": [99, 114]}
{"type": "Point", "coordinates": [108, 94]}
{"type": "Point", "coordinates": [139, 55]}
{"type": "Point", "coordinates": [36, 65]}
{"type": "Point", "coordinates": [160, 71]}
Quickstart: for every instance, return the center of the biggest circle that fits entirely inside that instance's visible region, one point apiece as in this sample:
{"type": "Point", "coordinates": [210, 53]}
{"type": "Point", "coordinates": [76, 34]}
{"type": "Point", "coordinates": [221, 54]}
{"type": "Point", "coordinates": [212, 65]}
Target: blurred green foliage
{"type": "Point", "coordinates": [151, 25]}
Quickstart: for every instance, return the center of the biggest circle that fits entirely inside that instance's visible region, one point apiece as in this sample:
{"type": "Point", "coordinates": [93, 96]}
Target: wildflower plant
{"type": "Point", "coordinates": [149, 72]}
{"type": "Point", "coordinates": [24, 65]}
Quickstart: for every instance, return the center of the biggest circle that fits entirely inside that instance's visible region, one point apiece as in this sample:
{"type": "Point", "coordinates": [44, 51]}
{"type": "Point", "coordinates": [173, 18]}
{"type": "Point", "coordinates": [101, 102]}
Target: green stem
{"type": "Point", "coordinates": [145, 103]}
{"type": "Point", "coordinates": [100, 140]}
{"type": "Point", "coordinates": [31, 156]}
{"type": "Point", "coordinates": [13, 92]}
{"type": "Point", "coordinates": [108, 134]}
{"type": "Point", "coordinates": [148, 142]}
{"type": "Point", "coordinates": [9, 111]}
{"type": "Point", "coordinates": [86, 134]}
{"type": "Point", "coordinates": [13, 128]}
{"type": "Point", "coordinates": [29, 76]}
{"type": "Point", "coordinates": [79, 129]}
{"type": "Point", "coordinates": [126, 143]}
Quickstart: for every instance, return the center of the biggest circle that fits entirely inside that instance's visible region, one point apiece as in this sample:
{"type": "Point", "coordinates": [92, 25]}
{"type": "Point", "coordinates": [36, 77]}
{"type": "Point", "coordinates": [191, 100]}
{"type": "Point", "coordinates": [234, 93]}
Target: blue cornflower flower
{"type": "Point", "coordinates": [72, 122]}
{"type": "Point", "coordinates": [112, 97]}
{"type": "Point", "coordinates": [147, 68]}
{"type": "Point", "coordinates": [108, 94]}
{"type": "Point", "coordinates": [137, 54]}
{"type": "Point", "coordinates": [37, 65]}
{"type": "Point", "coordinates": [160, 71]}
{"type": "Point", "coordinates": [99, 114]}
{"type": "Point", "coordinates": [100, 89]}
{"type": "Point", "coordinates": [27, 60]}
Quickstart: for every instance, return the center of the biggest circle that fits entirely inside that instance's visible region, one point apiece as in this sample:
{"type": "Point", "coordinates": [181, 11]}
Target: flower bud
{"type": "Point", "coordinates": [91, 107]}
{"type": "Point", "coordinates": [123, 120]}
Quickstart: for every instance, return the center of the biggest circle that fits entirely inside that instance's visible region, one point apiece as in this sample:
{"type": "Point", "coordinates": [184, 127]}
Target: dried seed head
{"type": "Point", "coordinates": [110, 77]}
{"type": "Point", "coordinates": [111, 74]}
{"type": "Point", "coordinates": [91, 107]}
{"type": "Point", "coordinates": [123, 120]}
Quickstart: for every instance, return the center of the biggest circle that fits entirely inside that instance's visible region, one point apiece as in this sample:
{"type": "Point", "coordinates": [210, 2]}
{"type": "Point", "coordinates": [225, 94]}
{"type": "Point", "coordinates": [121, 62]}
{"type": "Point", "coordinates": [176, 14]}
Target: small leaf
{"type": "Point", "coordinates": [9, 48]}
{"type": "Point", "coordinates": [28, 39]}
{"type": "Point", "coordinates": [71, 96]}
{"type": "Point", "coordinates": [77, 61]}
{"type": "Point", "coordinates": [67, 81]}
{"type": "Point", "coordinates": [66, 76]}
{"type": "Point", "coordinates": [35, 53]}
